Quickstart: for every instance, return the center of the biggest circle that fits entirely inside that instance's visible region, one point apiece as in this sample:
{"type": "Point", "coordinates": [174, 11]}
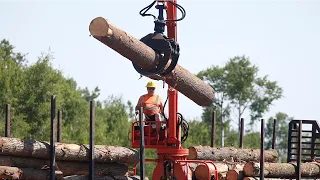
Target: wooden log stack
{"type": "Point", "coordinates": [244, 164]}
{"type": "Point", "coordinates": [229, 161]}
{"type": "Point", "coordinates": [30, 159]}
{"type": "Point", "coordinates": [282, 170]}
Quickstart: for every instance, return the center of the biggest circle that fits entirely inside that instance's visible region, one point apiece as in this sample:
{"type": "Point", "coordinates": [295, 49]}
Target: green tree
{"type": "Point", "coordinates": [85, 93]}
{"type": "Point", "coordinates": [241, 88]}
{"type": "Point", "coordinates": [28, 88]}
{"type": "Point", "coordinates": [12, 67]}
{"type": "Point", "coordinates": [248, 91]}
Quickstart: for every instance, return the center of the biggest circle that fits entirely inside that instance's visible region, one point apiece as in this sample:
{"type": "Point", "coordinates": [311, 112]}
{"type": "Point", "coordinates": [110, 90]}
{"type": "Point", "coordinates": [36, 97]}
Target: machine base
{"type": "Point", "coordinates": [171, 165]}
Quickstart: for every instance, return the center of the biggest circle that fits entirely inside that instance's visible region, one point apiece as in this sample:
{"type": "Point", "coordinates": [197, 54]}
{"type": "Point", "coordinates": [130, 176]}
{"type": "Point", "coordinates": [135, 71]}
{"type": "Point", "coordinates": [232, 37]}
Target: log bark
{"type": "Point", "coordinates": [71, 152]}
{"type": "Point", "coordinates": [10, 172]}
{"type": "Point", "coordinates": [230, 154]}
{"type": "Point", "coordinates": [27, 173]}
{"type": "Point", "coordinates": [255, 178]}
{"type": "Point", "coordinates": [282, 170]}
{"type": "Point", "coordinates": [76, 177]}
{"type": "Point", "coordinates": [66, 167]}
{"type": "Point", "coordinates": [145, 57]}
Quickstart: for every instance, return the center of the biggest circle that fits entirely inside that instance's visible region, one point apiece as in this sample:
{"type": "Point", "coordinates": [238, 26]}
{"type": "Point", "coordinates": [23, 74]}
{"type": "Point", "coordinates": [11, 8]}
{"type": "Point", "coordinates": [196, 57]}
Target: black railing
{"type": "Point", "coordinates": [303, 144]}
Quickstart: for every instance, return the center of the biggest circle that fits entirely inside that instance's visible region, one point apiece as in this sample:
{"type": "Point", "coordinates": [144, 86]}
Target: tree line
{"type": "Point", "coordinates": [29, 87]}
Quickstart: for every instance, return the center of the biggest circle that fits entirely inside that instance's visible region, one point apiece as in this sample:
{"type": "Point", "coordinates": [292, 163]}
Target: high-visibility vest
{"type": "Point", "coordinates": [150, 108]}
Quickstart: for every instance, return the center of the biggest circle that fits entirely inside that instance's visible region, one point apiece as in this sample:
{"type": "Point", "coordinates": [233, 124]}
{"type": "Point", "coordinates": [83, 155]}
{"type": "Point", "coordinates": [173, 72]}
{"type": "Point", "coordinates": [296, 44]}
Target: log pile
{"type": "Point", "coordinates": [30, 159]}
{"type": "Point", "coordinates": [244, 164]}
{"type": "Point", "coordinates": [282, 170]}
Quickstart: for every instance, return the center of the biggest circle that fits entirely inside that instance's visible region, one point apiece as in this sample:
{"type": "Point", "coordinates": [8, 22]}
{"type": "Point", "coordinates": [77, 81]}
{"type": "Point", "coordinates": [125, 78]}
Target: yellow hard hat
{"type": "Point", "coordinates": [151, 84]}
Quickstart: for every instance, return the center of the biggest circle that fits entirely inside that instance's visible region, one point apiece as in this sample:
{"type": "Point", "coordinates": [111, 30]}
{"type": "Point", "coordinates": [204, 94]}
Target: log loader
{"type": "Point", "coordinates": [172, 160]}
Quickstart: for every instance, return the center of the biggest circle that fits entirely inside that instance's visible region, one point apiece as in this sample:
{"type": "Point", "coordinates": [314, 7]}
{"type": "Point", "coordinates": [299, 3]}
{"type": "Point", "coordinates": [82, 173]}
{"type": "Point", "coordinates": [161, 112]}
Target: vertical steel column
{"type": "Point", "coordinates": [59, 136]}
{"type": "Point", "coordinates": [173, 137]}
{"type": "Point", "coordinates": [7, 125]}
{"type": "Point", "coordinates": [313, 142]}
{"type": "Point", "coordinates": [289, 142]}
{"type": "Point", "coordinates": [241, 133]}
{"type": "Point", "coordinates": [142, 158]}
{"type": "Point", "coordinates": [52, 138]}
{"type": "Point", "coordinates": [274, 136]}
{"type": "Point", "coordinates": [262, 151]}
{"type": "Point", "coordinates": [213, 129]}
{"type": "Point", "coordinates": [92, 125]}
{"type": "Point", "coordinates": [299, 151]}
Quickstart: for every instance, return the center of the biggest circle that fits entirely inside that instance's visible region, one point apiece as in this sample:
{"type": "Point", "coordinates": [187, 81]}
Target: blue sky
{"type": "Point", "coordinates": [281, 37]}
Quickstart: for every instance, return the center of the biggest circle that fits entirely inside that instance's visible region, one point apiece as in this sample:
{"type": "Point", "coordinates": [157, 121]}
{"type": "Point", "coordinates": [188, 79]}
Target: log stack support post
{"type": "Point", "coordinates": [299, 150]}
{"type": "Point", "coordinates": [142, 144]}
{"type": "Point", "coordinates": [92, 133]}
{"type": "Point", "coordinates": [274, 134]}
{"type": "Point", "coordinates": [241, 133]}
{"type": "Point", "coordinates": [7, 125]}
{"type": "Point", "coordinates": [213, 129]}
{"type": "Point", "coordinates": [59, 126]}
{"type": "Point", "coordinates": [262, 151]}
{"type": "Point", "coordinates": [52, 138]}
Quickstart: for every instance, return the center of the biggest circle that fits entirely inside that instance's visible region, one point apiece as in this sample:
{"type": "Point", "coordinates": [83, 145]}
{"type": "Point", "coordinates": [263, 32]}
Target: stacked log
{"type": "Point", "coordinates": [30, 159]}
{"type": "Point", "coordinates": [229, 161]}
{"type": "Point", "coordinates": [282, 170]}
{"type": "Point", "coordinates": [244, 164]}
{"type": "Point", "coordinates": [230, 154]}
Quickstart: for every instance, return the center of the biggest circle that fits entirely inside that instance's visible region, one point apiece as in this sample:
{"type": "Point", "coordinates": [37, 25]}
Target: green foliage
{"type": "Point", "coordinates": [282, 121]}
{"type": "Point", "coordinates": [238, 88]}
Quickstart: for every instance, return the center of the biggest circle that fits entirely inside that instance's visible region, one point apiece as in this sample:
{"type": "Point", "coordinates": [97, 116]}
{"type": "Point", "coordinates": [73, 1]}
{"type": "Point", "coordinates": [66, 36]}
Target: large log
{"type": "Point", "coordinates": [66, 167]}
{"type": "Point", "coordinates": [10, 172]}
{"type": "Point", "coordinates": [256, 178]}
{"type": "Point", "coordinates": [145, 57]}
{"type": "Point", "coordinates": [282, 170]}
{"type": "Point", "coordinates": [27, 173]}
{"type": "Point", "coordinates": [76, 177]}
{"type": "Point", "coordinates": [71, 152]}
{"type": "Point", "coordinates": [230, 154]}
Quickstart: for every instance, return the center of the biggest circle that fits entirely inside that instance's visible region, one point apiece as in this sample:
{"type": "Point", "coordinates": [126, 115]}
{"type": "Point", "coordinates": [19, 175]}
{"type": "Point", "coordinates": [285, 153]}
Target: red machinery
{"type": "Point", "coordinates": [172, 160]}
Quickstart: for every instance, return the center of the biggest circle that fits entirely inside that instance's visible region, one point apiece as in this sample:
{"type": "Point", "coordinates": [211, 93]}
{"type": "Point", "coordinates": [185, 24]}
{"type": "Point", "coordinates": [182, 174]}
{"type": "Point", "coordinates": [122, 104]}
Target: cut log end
{"type": "Point", "coordinates": [202, 172]}
{"type": "Point", "coordinates": [251, 169]}
{"type": "Point", "coordinates": [232, 175]}
{"type": "Point", "coordinates": [235, 174]}
{"type": "Point", "coordinates": [100, 27]}
{"type": "Point", "coordinates": [192, 153]}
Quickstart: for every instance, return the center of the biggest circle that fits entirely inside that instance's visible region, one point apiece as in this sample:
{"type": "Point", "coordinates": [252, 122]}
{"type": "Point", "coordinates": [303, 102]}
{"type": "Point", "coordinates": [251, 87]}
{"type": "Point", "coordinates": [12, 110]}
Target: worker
{"type": "Point", "coordinates": [152, 105]}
